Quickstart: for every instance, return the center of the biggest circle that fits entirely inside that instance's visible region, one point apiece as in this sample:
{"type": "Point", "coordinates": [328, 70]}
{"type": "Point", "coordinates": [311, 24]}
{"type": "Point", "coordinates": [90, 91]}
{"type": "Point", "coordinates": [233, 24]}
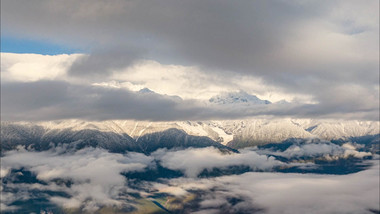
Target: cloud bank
{"type": "Point", "coordinates": [323, 52]}
{"type": "Point", "coordinates": [289, 193]}
{"type": "Point", "coordinates": [54, 100]}
{"type": "Point", "coordinates": [36, 87]}
{"type": "Point", "coordinates": [90, 179]}
{"type": "Point", "coordinates": [324, 149]}
{"type": "Point", "coordinates": [95, 174]}
{"type": "Point", "coordinates": [193, 161]}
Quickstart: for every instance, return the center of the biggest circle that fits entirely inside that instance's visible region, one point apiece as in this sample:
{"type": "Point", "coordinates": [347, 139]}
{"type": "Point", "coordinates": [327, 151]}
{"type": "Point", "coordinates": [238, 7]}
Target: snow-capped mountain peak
{"type": "Point", "coordinates": [146, 91]}
{"type": "Point", "coordinates": [240, 97]}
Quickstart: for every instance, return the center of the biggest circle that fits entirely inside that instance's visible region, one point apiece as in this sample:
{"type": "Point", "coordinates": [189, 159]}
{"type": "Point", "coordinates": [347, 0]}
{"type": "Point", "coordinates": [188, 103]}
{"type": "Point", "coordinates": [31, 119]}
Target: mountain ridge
{"type": "Point", "coordinates": [234, 133]}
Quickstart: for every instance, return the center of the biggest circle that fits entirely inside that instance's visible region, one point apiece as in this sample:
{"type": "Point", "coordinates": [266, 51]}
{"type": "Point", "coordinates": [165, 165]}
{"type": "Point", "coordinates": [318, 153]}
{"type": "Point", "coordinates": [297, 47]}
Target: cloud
{"type": "Point", "coordinates": [193, 161]}
{"type": "Point", "coordinates": [289, 193]}
{"type": "Point", "coordinates": [53, 100]}
{"type": "Point", "coordinates": [101, 63]}
{"type": "Point", "coordinates": [35, 67]}
{"type": "Point", "coordinates": [188, 82]}
{"type": "Point", "coordinates": [232, 36]}
{"type": "Point", "coordinates": [323, 149]}
{"type": "Point", "coordinates": [95, 180]}
{"type": "Point", "coordinates": [326, 51]}
{"type": "Point", "coordinates": [95, 174]}
{"type": "Point", "coordinates": [49, 100]}
{"type": "Point", "coordinates": [6, 199]}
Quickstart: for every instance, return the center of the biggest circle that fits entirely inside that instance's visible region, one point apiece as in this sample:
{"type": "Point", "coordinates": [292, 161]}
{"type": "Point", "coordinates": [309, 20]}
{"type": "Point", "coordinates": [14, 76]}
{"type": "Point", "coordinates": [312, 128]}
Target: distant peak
{"type": "Point", "coordinates": [239, 97]}
{"type": "Point", "coordinates": [146, 90]}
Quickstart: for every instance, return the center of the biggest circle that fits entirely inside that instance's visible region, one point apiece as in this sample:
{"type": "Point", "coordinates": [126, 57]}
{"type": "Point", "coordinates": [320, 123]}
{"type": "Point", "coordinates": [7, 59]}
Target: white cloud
{"type": "Point", "coordinates": [21, 71]}
{"type": "Point", "coordinates": [95, 173]}
{"type": "Point", "coordinates": [97, 181]}
{"type": "Point", "coordinates": [193, 161]}
{"type": "Point", "coordinates": [292, 193]}
{"type": "Point", "coordinates": [34, 67]}
{"type": "Point", "coordinates": [323, 149]}
{"type": "Point", "coordinates": [188, 82]}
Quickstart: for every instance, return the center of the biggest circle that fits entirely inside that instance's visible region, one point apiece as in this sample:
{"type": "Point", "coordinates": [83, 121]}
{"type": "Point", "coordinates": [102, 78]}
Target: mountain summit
{"type": "Point", "coordinates": [240, 97]}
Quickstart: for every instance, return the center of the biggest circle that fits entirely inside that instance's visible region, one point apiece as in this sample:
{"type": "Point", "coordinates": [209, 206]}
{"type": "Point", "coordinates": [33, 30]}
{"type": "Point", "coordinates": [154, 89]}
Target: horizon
{"type": "Point", "coordinates": [190, 106]}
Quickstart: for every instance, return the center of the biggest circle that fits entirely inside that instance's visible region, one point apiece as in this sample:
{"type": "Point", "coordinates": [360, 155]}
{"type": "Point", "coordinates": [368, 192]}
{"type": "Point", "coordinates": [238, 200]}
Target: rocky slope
{"type": "Point", "coordinates": [234, 133]}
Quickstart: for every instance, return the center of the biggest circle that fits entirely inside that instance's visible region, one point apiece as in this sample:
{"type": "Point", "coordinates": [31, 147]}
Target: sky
{"type": "Point", "coordinates": [21, 45]}
{"type": "Point", "coordinates": [90, 59]}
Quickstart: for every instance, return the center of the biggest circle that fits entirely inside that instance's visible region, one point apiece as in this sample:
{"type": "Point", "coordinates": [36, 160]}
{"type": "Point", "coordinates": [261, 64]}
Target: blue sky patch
{"type": "Point", "coordinates": [19, 45]}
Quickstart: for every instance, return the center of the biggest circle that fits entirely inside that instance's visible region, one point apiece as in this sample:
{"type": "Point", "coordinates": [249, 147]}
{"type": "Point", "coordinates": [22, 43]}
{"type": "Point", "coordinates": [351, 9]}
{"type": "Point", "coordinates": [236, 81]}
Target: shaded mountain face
{"type": "Point", "coordinates": [174, 138]}
{"type": "Point", "coordinates": [38, 138]}
{"type": "Point", "coordinates": [247, 133]}
{"type": "Point", "coordinates": [123, 134]}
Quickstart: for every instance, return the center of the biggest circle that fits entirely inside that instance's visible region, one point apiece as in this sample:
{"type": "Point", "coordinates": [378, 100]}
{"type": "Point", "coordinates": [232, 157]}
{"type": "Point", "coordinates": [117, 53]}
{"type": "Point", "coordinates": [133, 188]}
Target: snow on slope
{"type": "Point", "coordinates": [264, 131]}
{"type": "Point", "coordinates": [334, 130]}
{"type": "Point", "coordinates": [238, 133]}
{"type": "Point", "coordinates": [253, 132]}
{"type": "Point", "coordinates": [224, 137]}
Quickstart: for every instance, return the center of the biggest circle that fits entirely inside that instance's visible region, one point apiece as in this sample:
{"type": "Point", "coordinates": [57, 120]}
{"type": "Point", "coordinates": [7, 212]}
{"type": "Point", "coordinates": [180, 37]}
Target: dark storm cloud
{"type": "Point", "coordinates": [102, 62]}
{"type": "Point", "coordinates": [239, 36]}
{"type": "Point", "coordinates": [244, 36]}
{"type": "Point", "coordinates": [51, 100]}
{"type": "Point", "coordinates": [325, 49]}
{"type": "Point", "coordinates": [47, 100]}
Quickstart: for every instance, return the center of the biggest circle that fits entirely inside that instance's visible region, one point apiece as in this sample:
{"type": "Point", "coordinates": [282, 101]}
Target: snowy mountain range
{"type": "Point", "coordinates": [233, 133]}
{"type": "Point", "coordinates": [116, 135]}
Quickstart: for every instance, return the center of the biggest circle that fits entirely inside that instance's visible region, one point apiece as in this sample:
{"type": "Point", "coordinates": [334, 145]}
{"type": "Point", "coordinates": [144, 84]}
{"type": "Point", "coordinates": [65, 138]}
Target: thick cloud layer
{"type": "Point", "coordinates": [289, 193]}
{"type": "Point", "coordinates": [325, 50]}
{"type": "Point", "coordinates": [53, 100]}
{"type": "Point", "coordinates": [193, 161]}
{"type": "Point", "coordinates": [95, 174]}
{"type": "Point", "coordinates": [101, 64]}
{"type": "Point", "coordinates": [47, 100]}
{"type": "Point", "coordinates": [324, 149]}
{"type": "Point", "coordinates": [90, 179]}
